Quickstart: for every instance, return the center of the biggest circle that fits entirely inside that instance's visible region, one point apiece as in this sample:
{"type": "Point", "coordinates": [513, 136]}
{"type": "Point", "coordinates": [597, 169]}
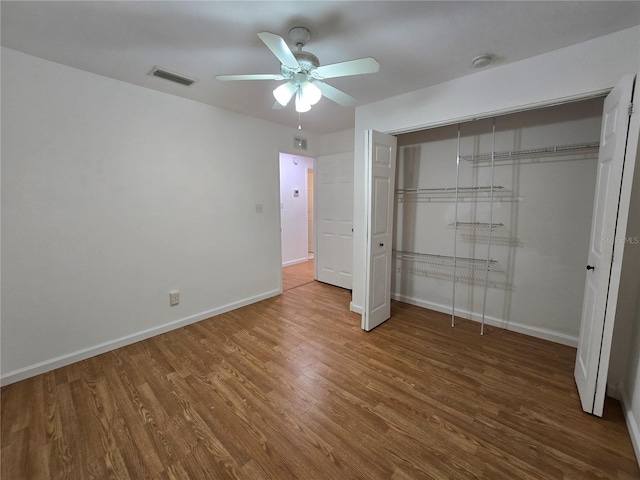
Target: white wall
{"type": "Point", "coordinates": [545, 239]}
{"type": "Point", "coordinates": [112, 195]}
{"type": "Point", "coordinates": [630, 392]}
{"type": "Point", "coordinates": [339, 142]}
{"type": "Point", "coordinates": [293, 209]}
{"type": "Point", "coordinates": [572, 72]}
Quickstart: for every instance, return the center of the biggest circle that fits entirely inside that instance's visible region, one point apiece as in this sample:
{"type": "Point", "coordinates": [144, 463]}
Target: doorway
{"type": "Point", "coordinates": [296, 219]}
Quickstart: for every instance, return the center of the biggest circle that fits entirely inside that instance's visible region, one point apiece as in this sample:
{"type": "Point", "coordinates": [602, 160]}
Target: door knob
{"type": "Point", "coordinates": [589, 267]}
{"type": "Point", "coordinates": [382, 244]}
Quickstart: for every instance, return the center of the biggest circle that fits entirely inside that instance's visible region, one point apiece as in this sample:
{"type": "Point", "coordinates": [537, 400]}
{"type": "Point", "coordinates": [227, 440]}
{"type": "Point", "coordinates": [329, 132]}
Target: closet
{"type": "Point", "coordinates": [493, 217]}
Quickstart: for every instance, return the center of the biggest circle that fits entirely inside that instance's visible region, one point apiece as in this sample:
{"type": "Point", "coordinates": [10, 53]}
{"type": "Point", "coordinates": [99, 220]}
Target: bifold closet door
{"type": "Point", "coordinates": [616, 162]}
{"type": "Point", "coordinates": [380, 164]}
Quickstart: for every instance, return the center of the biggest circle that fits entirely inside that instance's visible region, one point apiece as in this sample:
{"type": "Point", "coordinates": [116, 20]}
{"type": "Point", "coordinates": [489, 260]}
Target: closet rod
{"type": "Point", "coordinates": [442, 259]}
{"type": "Point", "coordinates": [480, 193]}
{"type": "Point", "coordinates": [474, 225]}
{"type": "Point", "coordinates": [485, 188]}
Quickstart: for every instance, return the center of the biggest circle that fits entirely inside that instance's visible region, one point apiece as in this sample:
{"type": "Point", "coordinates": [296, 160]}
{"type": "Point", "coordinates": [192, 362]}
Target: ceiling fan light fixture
{"type": "Point", "coordinates": [301, 104]}
{"type": "Point", "coordinates": [284, 92]}
{"type": "Point", "coordinates": [310, 93]}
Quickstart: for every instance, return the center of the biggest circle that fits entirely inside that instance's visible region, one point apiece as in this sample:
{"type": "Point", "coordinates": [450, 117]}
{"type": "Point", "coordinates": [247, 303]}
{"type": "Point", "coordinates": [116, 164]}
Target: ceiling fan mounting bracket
{"type": "Point", "coordinates": [299, 36]}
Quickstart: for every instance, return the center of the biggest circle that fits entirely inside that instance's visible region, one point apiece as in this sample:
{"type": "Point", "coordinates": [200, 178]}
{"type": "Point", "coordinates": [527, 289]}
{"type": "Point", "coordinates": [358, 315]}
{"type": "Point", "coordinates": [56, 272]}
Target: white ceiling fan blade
{"type": "Point", "coordinates": [280, 49]}
{"type": "Point", "coordinates": [336, 95]}
{"type": "Point", "coordinates": [343, 69]}
{"type": "Point", "coordinates": [257, 76]}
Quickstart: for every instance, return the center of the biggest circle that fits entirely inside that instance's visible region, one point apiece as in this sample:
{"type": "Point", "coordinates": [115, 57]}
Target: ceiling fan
{"type": "Point", "coordinates": [303, 73]}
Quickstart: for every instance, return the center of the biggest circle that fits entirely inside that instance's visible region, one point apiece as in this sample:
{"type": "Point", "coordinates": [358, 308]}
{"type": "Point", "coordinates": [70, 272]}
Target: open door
{"type": "Point", "coordinates": [334, 215]}
{"type": "Point", "coordinates": [380, 180]}
{"type": "Point", "coordinates": [616, 162]}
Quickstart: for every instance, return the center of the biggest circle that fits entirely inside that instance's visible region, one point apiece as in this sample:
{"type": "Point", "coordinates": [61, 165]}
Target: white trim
{"type": "Point", "coordinates": [355, 308]}
{"type": "Point", "coordinates": [537, 332]}
{"type": "Point", "coordinates": [505, 111]}
{"type": "Point", "coordinates": [293, 262]}
{"type": "Point", "coordinates": [632, 424]}
{"type": "Point", "coordinates": [83, 354]}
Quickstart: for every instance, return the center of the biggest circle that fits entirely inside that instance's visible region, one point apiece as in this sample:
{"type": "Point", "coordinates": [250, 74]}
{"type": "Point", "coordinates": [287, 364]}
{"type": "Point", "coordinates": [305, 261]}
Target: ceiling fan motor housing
{"type": "Point", "coordinates": [306, 60]}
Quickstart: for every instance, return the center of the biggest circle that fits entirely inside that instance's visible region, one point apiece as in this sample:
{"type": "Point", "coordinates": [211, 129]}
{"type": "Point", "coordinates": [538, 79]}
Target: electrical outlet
{"type": "Point", "coordinates": [174, 297]}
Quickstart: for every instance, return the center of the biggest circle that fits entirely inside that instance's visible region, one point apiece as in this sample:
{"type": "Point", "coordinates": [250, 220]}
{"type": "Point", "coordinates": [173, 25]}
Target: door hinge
{"type": "Point", "coordinates": [630, 108]}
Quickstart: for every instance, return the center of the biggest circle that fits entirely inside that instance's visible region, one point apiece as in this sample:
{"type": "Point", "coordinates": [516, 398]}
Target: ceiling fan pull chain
{"type": "Point", "coordinates": [299, 126]}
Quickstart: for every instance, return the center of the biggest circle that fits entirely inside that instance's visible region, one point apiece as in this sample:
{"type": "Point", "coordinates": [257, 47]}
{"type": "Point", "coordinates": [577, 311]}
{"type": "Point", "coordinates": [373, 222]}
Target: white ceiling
{"type": "Point", "coordinates": [417, 43]}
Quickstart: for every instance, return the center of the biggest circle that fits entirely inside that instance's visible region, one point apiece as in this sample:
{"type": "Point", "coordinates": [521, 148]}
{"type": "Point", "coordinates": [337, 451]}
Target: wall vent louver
{"type": "Point", "coordinates": [300, 143]}
{"type": "Point", "coordinates": [172, 77]}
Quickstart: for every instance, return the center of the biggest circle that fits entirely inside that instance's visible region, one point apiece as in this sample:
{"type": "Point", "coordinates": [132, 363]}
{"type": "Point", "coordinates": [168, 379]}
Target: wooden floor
{"type": "Point", "coordinates": [297, 275]}
{"type": "Point", "coordinates": [291, 388]}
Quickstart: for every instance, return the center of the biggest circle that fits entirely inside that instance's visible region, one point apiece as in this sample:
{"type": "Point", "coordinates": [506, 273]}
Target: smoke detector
{"type": "Point", "coordinates": [482, 60]}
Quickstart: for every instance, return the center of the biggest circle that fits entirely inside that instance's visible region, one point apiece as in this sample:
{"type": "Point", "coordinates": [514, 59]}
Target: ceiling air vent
{"type": "Point", "coordinates": [300, 143]}
{"type": "Point", "coordinates": [172, 77]}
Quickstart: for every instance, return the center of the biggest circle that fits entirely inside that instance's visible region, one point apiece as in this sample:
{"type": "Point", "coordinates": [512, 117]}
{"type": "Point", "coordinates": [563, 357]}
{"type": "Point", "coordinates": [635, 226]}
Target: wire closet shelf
{"type": "Point", "coordinates": [587, 149]}
{"type": "Point", "coordinates": [479, 232]}
{"type": "Point", "coordinates": [456, 194]}
{"type": "Point", "coordinates": [468, 270]}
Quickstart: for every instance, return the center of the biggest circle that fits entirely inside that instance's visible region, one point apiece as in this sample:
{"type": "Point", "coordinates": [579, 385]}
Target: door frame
{"type": "Point", "coordinates": [313, 157]}
{"type": "Point", "coordinates": [313, 213]}
{"type": "Point", "coordinates": [357, 301]}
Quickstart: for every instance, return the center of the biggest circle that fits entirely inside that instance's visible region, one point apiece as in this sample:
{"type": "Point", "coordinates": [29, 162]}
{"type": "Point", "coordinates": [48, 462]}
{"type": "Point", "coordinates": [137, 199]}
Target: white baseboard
{"type": "Point", "coordinates": [293, 262]}
{"type": "Point", "coordinates": [537, 332]}
{"type": "Point", "coordinates": [83, 354]}
{"type": "Point", "coordinates": [355, 308]}
{"type": "Point", "coordinates": [632, 424]}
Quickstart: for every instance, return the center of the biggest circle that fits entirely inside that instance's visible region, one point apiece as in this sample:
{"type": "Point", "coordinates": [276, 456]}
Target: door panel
{"type": "Point", "coordinates": [381, 192]}
{"type": "Point", "coordinates": [334, 217]}
{"type": "Point", "coordinates": [381, 165]}
{"type": "Point", "coordinates": [379, 274]}
{"type": "Point", "coordinates": [610, 213]}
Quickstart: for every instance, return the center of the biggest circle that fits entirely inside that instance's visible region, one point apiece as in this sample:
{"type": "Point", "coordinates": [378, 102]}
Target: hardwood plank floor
{"type": "Point", "coordinates": [296, 275]}
{"type": "Point", "coordinates": [291, 388]}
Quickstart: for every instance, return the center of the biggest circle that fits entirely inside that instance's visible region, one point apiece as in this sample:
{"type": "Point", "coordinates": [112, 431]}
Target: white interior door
{"type": "Point", "coordinates": [334, 219]}
{"type": "Point", "coordinates": [380, 179]}
{"type": "Point", "coordinates": [610, 213]}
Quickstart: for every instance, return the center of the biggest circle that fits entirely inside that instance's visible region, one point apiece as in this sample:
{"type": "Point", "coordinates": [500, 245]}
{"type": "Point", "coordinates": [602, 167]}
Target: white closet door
{"type": "Point", "coordinates": [334, 219]}
{"type": "Point", "coordinates": [610, 213]}
{"type": "Point", "coordinates": [380, 179]}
